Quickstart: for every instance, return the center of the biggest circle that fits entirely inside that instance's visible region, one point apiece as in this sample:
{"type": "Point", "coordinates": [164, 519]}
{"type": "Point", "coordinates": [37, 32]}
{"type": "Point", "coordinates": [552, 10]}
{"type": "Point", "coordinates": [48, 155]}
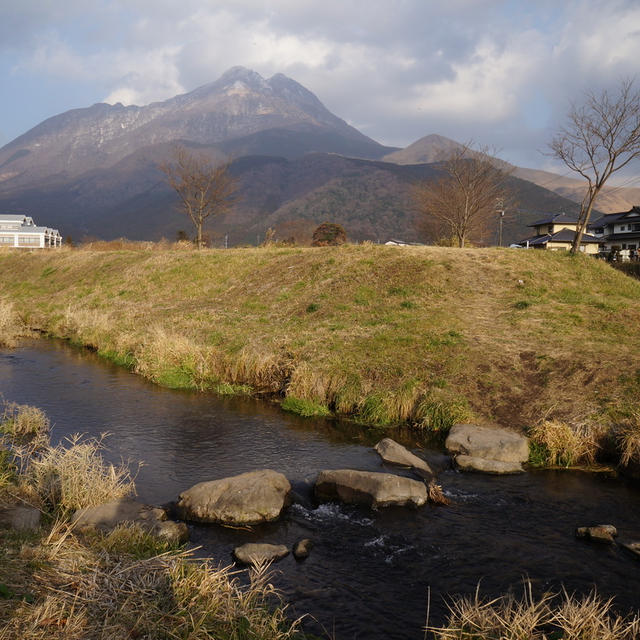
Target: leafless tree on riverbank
{"type": "Point", "coordinates": [204, 187]}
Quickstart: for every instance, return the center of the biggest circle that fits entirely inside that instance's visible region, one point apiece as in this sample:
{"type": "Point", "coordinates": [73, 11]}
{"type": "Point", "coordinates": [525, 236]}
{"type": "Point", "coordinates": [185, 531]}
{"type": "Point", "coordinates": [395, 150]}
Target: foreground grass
{"type": "Point", "coordinates": [383, 334]}
{"type": "Point", "coordinates": [551, 617]}
{"type": "Point", "coordinates": [84, 585]}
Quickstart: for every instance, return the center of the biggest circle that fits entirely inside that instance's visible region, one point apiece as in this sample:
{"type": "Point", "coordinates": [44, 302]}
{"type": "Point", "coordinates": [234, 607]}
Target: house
{"type": "Point", "coordinates": [20, 231]}
{"type": "Point", "coordinates": [619, 232]}
{"type": "Point", "coordinates": [556, 233]}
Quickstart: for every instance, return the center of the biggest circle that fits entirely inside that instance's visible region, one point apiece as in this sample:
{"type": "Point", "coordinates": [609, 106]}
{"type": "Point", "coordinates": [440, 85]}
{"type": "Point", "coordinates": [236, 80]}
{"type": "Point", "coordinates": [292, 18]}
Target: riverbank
{"type": "Point", "coordinates": [384, 335]}
{"type": "Point", "coordinates": [60, 580]}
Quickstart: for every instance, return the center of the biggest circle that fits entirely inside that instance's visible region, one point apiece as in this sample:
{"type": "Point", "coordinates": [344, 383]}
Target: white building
{"type": "Point", "coordinates": [20, 231]}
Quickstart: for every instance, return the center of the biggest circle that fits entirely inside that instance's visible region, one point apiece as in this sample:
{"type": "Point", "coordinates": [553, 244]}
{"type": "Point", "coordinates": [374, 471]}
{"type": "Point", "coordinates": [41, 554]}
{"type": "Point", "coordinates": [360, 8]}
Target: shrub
{"type": "Point", "coordinates": [72, 477]}
{"type": "Point", "coordinates": [628, 439]}
{"type": "Point", "coordinates": [440, 415]}
{"type": "Point", "coordinates": [23, 422]}
{"type": "Point", "coordinates": [564, 445]}
{"type": "Point", "coordinates": [328, 234]}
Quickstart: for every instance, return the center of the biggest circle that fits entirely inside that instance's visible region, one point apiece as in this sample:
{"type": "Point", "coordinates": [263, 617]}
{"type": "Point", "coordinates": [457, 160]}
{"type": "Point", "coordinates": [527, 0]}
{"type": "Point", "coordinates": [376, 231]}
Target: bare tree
{"type": "Point", "coordinates": [459, 204]}
{"type": "Point", "coordinates": [601, 137]}
{"type": "Point", "coordinates": [204, 187]}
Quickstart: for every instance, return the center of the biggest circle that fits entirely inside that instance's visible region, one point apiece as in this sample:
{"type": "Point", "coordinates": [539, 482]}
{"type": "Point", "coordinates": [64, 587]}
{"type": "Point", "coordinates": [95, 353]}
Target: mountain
{"type": "Point", "coordinates": [94, 171]}
{"type": "Point", "coordinates": [241, 111]}
{"type": "Point", "coordinates": [435, 148]}
{"type": "Point", "coordinates": [431, 148]}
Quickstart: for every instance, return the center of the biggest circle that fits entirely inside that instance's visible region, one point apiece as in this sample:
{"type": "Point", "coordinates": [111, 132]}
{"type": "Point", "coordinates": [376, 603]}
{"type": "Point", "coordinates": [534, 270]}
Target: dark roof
{"type": "Point", "coordinates": [623, 236]}
{"type": "Point", "coordinates": [565, 235]}
{"type": "Point", "coordinates": [557, 218]}
{"type": "Point", "coordinates": [610, 218]}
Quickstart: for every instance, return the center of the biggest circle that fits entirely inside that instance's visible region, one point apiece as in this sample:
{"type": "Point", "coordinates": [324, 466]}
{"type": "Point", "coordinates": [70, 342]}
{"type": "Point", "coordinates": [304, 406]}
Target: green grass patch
{"type": "Point", "coordinates": [229, 389]}
{"type": "Point", "coordinates": [305, 408]}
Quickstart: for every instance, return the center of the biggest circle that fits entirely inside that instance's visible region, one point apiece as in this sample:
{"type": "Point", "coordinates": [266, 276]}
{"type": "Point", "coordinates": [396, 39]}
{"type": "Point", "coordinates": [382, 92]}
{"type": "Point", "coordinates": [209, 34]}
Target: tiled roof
{"type": "Point", "coordinates": [557, 218]}
{"type": "Point", "coordinates": [565, 235]}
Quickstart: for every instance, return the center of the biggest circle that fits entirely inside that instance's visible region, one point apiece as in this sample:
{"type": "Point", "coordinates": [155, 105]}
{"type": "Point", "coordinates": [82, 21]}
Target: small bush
{"type": "Point", "coordinates": [440, 415]}
{"type": "Point", "coordinates": [11, 325]}
{"type": "Point", "coordinates": [328, 234]}
{"type": "Point", "coordinates": [75, 476]}
{"type": "Point", "coordinates": [522, 304]}
{"type": "Point", "coordinates": [304, 408]}
{"type": "Point", "coordinates": [564, 445]}
{"type": "Point", "coordinates": [21, 421]}
{"type": "Point", "coordinates": [628, 439]}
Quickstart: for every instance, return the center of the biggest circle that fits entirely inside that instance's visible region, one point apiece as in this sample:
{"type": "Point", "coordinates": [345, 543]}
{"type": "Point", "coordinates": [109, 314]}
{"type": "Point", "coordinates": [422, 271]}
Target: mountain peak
{"type": "Point", "coordinates": [239, 74]}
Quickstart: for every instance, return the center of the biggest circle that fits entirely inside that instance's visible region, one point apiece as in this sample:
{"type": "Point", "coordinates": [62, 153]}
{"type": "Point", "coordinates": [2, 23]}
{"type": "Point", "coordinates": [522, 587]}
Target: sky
{"type": "Point", "coordinates": [499, 72]}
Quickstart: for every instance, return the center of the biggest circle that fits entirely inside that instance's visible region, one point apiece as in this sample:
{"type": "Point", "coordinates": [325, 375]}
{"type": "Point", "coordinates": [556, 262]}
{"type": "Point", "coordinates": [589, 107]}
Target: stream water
{"type": "Point", "coordinates": [370, 571]}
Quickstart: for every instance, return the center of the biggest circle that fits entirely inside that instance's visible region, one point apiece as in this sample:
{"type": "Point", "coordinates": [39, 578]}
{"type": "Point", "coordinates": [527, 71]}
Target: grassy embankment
{"type": "Point", "coordinates": [57, 582]}
{"type": "Point", "coordinates": [382, 334]}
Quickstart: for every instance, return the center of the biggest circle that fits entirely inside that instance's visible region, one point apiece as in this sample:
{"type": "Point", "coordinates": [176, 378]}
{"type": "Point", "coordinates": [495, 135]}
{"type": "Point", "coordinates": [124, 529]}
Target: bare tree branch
{"type": "Point", "coordinates": [204, 188]}
{"type": "Point", "coordinates": [458, 205]}
{"type": "Point", "coordinates": [601, 137]}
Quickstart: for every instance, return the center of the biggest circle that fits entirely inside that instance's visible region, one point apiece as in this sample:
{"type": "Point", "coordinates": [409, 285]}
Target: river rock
{"type": "Point", "coordinates": [302, 548]}
{"type": "Point", "coordinates": [599, 533]}
{"type": "Point", "coordinates": [393, 453]}
{"type": "Point", "coordinates": [258, 553]}
{"type": "Point", "coordinates": [19, 517]}
{"type": "Point", "coordinates": [633, 547]}
{"type": "Point", "coordinates": [369, 488]}
{"type": "Point", "coordinates": [249, 498]}
{"type": "Point", "coordinates": [472, 463]}
{"type": "Point", "coordinates": [471, 442]}
{"type": "Point", "coordinates": [108, 516]}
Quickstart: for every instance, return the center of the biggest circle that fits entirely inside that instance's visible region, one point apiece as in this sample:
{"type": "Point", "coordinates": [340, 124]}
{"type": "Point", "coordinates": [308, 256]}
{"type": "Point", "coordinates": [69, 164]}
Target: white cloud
{"type": "Point", "coordinates": [487, 69]}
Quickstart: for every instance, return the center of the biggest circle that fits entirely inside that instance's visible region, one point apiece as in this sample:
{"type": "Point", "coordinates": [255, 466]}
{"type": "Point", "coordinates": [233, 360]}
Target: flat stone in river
{"type": "Point", "coordinates": [369, 488]}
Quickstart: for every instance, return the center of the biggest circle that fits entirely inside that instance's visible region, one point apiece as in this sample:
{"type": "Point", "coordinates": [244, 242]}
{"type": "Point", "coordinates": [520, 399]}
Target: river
{"type": "Point", "coordinates": [369, 572]}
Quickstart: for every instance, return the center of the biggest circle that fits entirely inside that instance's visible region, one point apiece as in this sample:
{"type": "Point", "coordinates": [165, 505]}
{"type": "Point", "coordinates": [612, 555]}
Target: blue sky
{"type": "Point", "coordinates": [500, 72]}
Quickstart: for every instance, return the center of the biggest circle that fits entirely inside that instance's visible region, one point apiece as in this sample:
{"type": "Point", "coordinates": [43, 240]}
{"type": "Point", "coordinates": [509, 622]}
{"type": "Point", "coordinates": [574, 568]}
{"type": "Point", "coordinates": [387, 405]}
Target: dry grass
{"type": "Point", "coordinates": [416, 335]}
{"type": "Point", "coordinates": [565, 617]}
{"type": "Point", "coordinates": [565, 445]}
{"type": "Point", "coordinates": [73, 475]}
{"type": "Point", "coordinates": [628, 439]}
{"type": "Point", "coordinates": [125, 584]}
{"type": "Point", "coordinates": [11, 325]}
{"type": "Point", "coordinates": [21, 422]}
{"type": "Point", "coordinates": [89, 591]}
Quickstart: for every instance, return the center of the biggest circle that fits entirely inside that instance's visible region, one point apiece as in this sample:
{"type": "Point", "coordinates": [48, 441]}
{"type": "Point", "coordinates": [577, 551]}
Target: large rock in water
{"type": "Point", "coordinates": [111, 514]}
{"type": "Point", "coordinates": [369, 488]}
{"type": "Point", "coordinates": [488, 449]}
{"type": "Point", "coordinates": [250, 498]}
{"type": "Point", "coordinates": [392, 452]}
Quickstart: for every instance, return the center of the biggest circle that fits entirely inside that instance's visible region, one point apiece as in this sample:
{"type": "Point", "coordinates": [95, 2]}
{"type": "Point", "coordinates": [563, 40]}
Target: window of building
{"type": "Point", "coordinates": [6, 239]}
{"type": "Point", "coordinates": [29, 241]}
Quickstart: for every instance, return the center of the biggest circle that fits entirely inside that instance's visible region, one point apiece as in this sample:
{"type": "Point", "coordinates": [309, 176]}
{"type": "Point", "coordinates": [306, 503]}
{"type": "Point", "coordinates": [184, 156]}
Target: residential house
{"type": "Point", "coordinates": [556, 233]}
{"type": "Point", "coordinates": [619, 233]}
{"type": "Point", "coordinates": [20, 231]}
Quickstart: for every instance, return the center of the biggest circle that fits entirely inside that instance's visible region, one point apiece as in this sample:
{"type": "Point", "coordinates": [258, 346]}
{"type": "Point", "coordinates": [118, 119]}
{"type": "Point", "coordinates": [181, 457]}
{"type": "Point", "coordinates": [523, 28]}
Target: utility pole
{"type": "Point", "coordinates": [500, 210]}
